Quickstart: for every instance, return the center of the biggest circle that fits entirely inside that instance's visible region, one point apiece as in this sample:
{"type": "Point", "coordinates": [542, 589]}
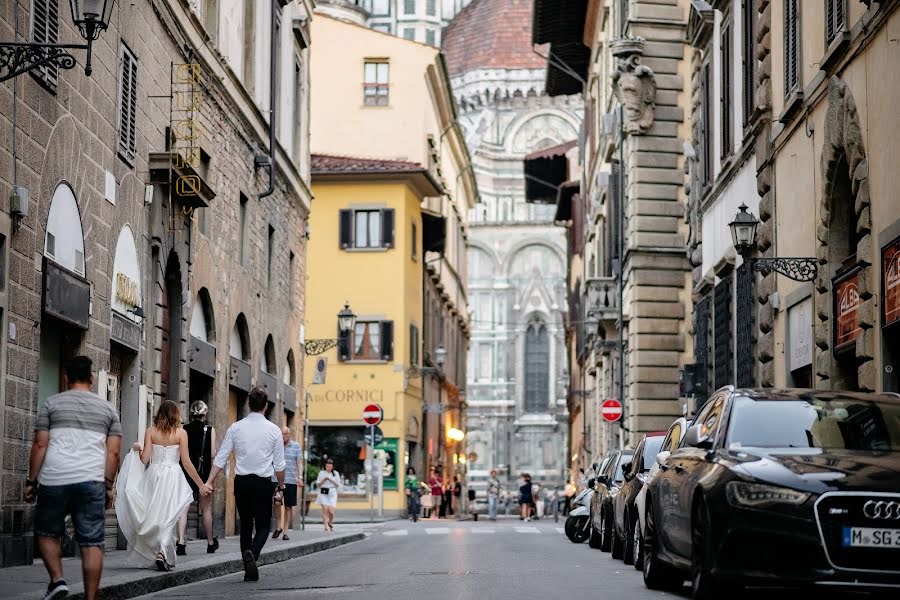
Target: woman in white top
{"type": "Point", "coordinates": [328, 483]}
{"type": "Point", "coordinates": [150, 501]}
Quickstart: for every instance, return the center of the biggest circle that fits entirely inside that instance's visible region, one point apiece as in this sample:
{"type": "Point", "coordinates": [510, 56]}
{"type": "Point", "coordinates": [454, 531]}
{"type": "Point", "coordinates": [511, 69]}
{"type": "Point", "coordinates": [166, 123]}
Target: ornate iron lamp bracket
{"type": "Point", "coordinates": [18, 58]}
{"type": "Point", "coordinates": [798, 269]}
{"type": "Point", "coordinates": [313, 347]}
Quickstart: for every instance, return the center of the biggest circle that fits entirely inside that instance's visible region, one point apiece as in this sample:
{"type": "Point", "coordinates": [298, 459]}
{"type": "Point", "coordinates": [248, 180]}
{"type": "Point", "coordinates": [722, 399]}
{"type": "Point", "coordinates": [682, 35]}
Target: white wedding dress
{"type": "Point", "coordinates": [150, 500]}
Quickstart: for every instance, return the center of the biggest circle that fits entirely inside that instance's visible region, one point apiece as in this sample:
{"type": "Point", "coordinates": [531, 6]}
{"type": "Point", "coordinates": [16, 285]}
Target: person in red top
{"type": "Point", "coordinates": [436, 485]}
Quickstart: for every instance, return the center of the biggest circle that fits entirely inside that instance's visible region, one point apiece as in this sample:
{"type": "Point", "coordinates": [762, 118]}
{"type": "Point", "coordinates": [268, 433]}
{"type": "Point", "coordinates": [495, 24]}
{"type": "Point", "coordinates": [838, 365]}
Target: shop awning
{"type": "Point", "coordinates": [561, 24]}
{"type": "Point", "coordinates": [545, 171]}
{"type": "Point", "coordinates": [434, 232]}
{"type": "Point", "coordinates": [567, 68]}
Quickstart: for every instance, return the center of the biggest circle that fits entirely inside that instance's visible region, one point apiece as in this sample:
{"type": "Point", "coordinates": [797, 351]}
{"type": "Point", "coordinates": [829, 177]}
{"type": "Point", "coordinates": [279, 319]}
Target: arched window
{"type": "Point", "coordinates": [239, 340]}
{"type": "Point", "coordinates": [537, 367]}
{"type": "Point", "coordinates": [202, 324]}
{"type": "Point", "coordinates": [289, 376]}
{"type": "Point", "coordinates": [267, 360]}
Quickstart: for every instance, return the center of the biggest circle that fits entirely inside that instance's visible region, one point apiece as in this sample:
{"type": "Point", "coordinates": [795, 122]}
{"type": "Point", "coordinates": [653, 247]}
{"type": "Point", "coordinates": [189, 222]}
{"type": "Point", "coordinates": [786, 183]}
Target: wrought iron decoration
{"type": "Point", "coordinates": [798, 269]}
{"type": "Point", "coordinates": [17, 58]}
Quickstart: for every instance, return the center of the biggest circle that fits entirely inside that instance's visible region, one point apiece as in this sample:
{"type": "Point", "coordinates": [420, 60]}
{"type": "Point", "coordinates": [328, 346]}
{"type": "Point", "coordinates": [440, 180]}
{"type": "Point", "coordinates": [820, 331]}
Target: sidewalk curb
{"type": "Point", "coordinates": [118, 588]}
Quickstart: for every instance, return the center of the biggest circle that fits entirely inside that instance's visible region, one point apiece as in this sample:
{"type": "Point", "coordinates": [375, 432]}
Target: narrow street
{"type": "Point", "coordinates": [507, 559]}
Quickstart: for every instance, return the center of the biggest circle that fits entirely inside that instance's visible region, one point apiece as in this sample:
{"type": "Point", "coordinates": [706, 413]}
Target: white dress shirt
{"type": "Point", "coordinates": [257, 445]}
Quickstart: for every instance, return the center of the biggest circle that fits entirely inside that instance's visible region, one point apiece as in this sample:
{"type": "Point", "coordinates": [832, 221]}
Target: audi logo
{"type": "Point", "coordinates": [882, 509]}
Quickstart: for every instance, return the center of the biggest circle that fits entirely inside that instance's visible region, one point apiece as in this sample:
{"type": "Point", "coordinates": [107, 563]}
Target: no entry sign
{"type": "Point", "coordinates": [372, 414]}
{"type": "Point", "coordinates": [611, 410]}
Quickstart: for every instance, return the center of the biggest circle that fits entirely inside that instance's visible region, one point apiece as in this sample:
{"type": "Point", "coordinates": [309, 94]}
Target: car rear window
{"type": "Point", "coordinates": [623, 458]}
{"type": "Point", "coordinates": [652, 446]}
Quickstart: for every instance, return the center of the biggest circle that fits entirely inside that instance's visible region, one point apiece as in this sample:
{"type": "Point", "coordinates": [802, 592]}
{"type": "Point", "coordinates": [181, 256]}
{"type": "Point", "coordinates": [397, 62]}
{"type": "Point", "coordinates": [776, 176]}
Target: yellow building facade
{"type": "Point", "coordinates": [392, 185]}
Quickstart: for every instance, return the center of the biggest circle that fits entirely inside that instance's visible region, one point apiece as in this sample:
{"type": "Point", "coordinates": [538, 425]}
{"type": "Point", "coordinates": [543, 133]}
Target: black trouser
{"type": "Point", "coordinates": [253, 497]}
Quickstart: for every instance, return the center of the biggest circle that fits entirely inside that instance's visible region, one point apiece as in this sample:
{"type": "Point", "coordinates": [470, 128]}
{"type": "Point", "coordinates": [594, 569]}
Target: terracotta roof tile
{"type": "Point", "coordinates": [491, 34]}
{"type": "Point", "coordinates": [324, 163]}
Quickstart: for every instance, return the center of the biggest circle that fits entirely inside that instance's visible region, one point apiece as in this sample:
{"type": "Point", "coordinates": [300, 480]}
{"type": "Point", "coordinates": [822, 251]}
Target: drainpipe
{"type": "Point", "coordinates": [262, 160]}
{"type": "Point", "coordinates": [621, 227]}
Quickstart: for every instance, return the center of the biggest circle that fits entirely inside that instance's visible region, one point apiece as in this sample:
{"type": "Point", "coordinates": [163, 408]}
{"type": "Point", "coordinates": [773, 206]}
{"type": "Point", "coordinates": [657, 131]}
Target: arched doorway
{"type": "Point", "coordinates": [238, 388]}
{"type": "Point", "coordinates": [66, 291]}
{"type": "Point", "coordinates": [843, 298]}
{"type": "Point", "coordinates": [170, 329]}
{"type": "Point", "coordinates": [268, 376]}
{"type": "Point", "coordinates": [289, 389]}
{"type": "Point", "coordinates": [203, 350]}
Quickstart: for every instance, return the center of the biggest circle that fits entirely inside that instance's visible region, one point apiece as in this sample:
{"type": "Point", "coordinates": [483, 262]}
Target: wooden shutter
{"type": "Point", "coordinates": [706, 108]}
{"type": "Point", "coordinates": [387, 340]}
{"type": "Point", "coordinates": [725, 92]}
{"type": "Point", "coordinates": [413, 345]}
{"type": "Point", "coordinates": [749, 59]}
{"type": "Point", "coordinates": [387, 228]}
{"type": "Point", "coordinates": [791, 47]}
{"type": "Point", "coordinates": [834, 19]}
{"type": "Point", "coordinates": [45, 30]}
{"type": "Point", "coordinates": [346, 228]}
{"type": "Point", "coordinates": [127, 105]}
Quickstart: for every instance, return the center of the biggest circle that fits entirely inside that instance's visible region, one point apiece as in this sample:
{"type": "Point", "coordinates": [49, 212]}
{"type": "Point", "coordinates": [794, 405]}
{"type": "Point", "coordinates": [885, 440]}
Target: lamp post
{"type": "Point", "coordinates": [90, 16]}
{"type": "Point", "coordinates": [346, 323]}
{"type": "Point", "coordinates": [743, 235]}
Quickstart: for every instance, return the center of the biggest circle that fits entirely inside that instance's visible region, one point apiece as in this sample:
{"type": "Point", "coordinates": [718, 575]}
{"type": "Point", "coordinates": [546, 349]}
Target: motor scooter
{"type": "Point", "coordinates": [578, 523]}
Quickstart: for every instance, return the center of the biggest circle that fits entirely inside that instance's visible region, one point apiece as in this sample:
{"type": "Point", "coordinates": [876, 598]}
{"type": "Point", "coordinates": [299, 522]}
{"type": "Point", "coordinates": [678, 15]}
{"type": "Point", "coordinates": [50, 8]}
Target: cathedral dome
{"type": "Point", "coordinates": [491, 34]}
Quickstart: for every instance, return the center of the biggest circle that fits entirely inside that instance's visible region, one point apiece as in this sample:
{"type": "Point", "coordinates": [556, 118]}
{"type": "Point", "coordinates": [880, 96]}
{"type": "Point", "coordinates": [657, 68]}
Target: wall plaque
{"type": "Point", "coordinates": [890, 261]}
{"type": "Point", "coordinates": [846, 310]}
{"type": "Point", "coordinates": [125, 332]}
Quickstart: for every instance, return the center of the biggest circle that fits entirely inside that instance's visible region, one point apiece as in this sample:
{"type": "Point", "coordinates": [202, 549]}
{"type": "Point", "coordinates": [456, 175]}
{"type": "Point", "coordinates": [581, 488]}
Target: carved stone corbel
{"type": "Point", "coordinates": [634, 85]}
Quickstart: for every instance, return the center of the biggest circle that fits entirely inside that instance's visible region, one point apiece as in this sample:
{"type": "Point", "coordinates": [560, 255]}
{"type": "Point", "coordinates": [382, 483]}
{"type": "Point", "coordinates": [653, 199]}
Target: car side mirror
{"type": "Point", "coordinates": [628, 475]}
{"type": "Point", "coordinates": [662, 457]}
{"type": "Point", "coordinates": [603, 480]}
{"type": "Point", "coordinates": [693, 438]}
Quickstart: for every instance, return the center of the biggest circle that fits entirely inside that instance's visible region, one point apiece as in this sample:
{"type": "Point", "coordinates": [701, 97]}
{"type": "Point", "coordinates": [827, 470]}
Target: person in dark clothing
{"type": "Point", "coordinates": [446, 494]}
{"type": "Point", "coordinates": [526, 498]}
{"type": "Point", "coordinates": [201, 448]}
{"type": "Point", "coordinates": [456, 504]}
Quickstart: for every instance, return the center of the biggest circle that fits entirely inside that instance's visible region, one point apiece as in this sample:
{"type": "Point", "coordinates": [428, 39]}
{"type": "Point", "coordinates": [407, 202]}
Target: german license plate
{"type": "Point", "coordinates": [870, 537]}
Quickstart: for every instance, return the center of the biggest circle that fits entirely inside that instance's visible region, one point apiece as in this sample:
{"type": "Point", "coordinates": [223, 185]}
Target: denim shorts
{"type": "Point", "coordinates": [85, 501]}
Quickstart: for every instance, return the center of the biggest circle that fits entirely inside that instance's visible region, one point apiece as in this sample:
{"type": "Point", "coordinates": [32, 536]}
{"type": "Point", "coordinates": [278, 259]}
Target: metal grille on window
{"type": "Point", "coordinates": [127, 106]}
{"type": "Point", "coordinates": [537, 368]}
{"type": "Point", "coordinates": [722, 351]}
{"type": "Point", "coordinates": [791, 46]}
{"type": "Point", "coordinates": [45, 30]}
{"type": "Point", "coordinates": [701, 347]}
{"type": "Point", "coordinates": [745, 311]}
{"type": "Point", "coordinates": [834, 18]}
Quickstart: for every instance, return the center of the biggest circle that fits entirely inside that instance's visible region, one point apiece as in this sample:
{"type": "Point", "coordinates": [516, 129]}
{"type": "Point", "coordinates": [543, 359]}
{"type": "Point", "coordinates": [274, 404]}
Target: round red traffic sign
{"type": "Point", "coordinates": [611, 410]}
{"type": "Point", "coordinates": [372, 414]}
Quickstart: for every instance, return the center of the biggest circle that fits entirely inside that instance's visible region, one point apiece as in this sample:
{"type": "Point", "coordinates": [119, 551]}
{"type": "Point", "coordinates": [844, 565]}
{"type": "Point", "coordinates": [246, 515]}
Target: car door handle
{"type": "Point", "coordinates": [663, 467]}
{"type": "Point", "coordinates": [679, 469]}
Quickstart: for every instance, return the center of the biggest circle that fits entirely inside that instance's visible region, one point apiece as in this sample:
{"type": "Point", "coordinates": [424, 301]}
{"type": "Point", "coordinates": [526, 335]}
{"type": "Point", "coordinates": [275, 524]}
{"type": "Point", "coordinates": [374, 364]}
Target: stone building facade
{"type": "Point", "coordinates": [629, 60]}
{"type": "Point", "coordinates": [516, 389]}
{"type": "Point", "coordinates": [149, 243]}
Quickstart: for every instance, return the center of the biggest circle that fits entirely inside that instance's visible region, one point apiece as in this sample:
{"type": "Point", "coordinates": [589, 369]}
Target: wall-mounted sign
{"type": "Point", "coordinates": [800, 327]}
{"type": "Point", "coordinates": [890, 261]}
{"type": "Point", "coordinates": [349, 396]}
{"type": "Point", "coordinates": [124, 332]}
{"type": "Point", "coordinates": [386, 451]}
{"type": "Point", "coordinates": [846, 310]}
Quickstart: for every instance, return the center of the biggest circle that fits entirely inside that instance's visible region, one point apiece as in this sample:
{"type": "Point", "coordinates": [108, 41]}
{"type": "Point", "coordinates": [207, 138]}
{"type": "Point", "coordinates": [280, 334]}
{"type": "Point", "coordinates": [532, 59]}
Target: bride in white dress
{"type": "Point", "coordinates": [149, 501]}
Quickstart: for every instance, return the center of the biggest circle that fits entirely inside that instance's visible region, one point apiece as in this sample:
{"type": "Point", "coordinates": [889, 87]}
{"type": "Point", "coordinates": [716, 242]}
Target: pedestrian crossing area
{"type": "Point", "coordinates": [469, 529]}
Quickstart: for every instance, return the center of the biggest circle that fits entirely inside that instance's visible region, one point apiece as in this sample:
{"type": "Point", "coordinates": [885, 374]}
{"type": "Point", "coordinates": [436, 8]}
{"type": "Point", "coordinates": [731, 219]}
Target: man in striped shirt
{"type": "Point", "coordinates": [74, 459]}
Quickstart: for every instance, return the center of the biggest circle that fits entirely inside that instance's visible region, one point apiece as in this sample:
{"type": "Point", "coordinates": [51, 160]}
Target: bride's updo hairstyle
{"type": "Point", "coordinates": [168, 417]}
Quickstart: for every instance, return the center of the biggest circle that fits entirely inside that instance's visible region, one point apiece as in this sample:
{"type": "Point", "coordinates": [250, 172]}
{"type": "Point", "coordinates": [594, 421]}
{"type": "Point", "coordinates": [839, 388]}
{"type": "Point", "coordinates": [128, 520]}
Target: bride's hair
{"type": "Point", "coordinates": [168, 417]}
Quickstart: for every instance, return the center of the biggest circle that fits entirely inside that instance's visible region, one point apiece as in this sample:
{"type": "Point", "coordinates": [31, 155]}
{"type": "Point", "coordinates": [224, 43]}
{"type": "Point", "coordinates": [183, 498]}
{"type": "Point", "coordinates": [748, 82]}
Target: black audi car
{"type": "Point", "coordinates": [634, 474]}
{"type": "Point", "coordinates": [606, 486]}
{"type": "Point", "coordinates": [779, 487]}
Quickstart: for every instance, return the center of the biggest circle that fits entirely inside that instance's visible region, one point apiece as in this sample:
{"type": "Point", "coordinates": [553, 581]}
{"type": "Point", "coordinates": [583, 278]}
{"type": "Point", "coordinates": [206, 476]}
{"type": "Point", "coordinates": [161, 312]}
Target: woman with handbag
{"type": "Point", "coordinates": [201, 448]}
{"type": "Point", "coordinates": [328, 483]}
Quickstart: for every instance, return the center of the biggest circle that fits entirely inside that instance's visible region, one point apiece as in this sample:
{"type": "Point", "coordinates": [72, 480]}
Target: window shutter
{"type": "Point", "coordinates": [346, 228]}
{"type": "Point", "coordinates": [725, 95]}
{"type": "Point", "coordinates": [413, 345]}
{"type": "Point", "coordinates": [749, 56]}
{"type": "Point", "coordinates": [45, 30]}
{"type": "Point", "coordinates": [792, 51]}
{"type": "Point", "coordinates": [387, 228]}
{"type": "Point", "coordinates": [127, 106]}
{"type": "Point", "coordinates": [387, 340]}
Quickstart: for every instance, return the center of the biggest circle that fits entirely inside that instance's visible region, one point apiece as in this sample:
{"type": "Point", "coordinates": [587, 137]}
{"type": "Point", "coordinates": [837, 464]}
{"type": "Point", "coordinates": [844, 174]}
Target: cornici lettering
{"type": "Point", "coordinates": [350, 396]}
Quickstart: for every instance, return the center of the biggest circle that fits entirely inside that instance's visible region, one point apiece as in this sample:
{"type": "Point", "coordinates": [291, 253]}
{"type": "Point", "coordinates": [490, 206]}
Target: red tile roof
{"type": "Point", "coordinates": [491, 34]}
{"type": "Point", "coordinates": [324, 163]}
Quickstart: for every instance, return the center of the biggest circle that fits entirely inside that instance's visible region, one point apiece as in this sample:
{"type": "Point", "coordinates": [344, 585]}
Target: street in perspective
{"type": "Point", "coordinates": [453, 299]}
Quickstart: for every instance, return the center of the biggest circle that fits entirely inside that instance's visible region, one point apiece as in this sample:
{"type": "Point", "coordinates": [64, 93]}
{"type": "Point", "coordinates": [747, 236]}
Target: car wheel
{"type": "Point", "coordinates": [575, 529]}
{"type": "Point", "coordinates": [637, 546]}
{"type": "Point", "coordinates": [704, 585]}
{"type": "Point", "coordinates": [605, 540]}
{"type": "Point", "coordinates": [657, 574]}
{"type": "Point", "coordinates": [594, 539]}
{"type": "Point", "coordinates": [616, 547]}
{"type": "Point", "coordinates": [628, 550]}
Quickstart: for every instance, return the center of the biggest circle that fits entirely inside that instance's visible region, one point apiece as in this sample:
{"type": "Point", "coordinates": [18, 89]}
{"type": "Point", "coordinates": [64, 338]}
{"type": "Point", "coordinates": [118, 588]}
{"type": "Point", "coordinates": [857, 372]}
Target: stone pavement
{"type": "Point", "coordinates": [121, 580]}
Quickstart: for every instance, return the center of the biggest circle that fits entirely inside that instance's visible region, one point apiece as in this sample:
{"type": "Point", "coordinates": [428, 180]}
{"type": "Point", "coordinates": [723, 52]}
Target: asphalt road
{"type": "Point", "coordinates": [444, 560]}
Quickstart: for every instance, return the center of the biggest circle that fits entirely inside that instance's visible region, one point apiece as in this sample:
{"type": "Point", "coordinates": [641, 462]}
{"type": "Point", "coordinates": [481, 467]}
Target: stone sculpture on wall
{"type": "Point", "coordinates": [634, 85]}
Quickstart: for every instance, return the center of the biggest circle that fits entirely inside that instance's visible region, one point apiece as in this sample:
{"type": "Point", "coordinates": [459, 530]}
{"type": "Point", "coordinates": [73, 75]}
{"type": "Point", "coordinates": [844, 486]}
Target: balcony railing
{"type": "Point", "coordinates": [601, 299]}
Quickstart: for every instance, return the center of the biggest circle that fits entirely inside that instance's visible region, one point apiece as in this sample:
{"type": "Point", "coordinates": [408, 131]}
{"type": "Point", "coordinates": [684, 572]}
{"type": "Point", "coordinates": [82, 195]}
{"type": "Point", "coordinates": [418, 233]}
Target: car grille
{"type": "Point", "coordinates": [836, 511]}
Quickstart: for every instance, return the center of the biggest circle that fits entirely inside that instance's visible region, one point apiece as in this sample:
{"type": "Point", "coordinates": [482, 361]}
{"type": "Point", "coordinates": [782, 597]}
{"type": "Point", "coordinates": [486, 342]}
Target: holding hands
{"type": "Point", "coordinates": [206, 489]}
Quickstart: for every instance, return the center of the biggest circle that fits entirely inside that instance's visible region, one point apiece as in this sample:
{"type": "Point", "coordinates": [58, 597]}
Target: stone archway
{"type": "Point", "coordinates": [844, 230]}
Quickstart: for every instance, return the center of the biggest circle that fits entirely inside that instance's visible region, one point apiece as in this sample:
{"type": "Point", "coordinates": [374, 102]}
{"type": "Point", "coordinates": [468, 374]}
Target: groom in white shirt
{"type": "Point", "coordinates": [259, 451]}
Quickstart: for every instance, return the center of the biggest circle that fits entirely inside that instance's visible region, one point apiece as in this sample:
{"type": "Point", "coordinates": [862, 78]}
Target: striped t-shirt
{"type": "Point", "coordinates": [79, 423]}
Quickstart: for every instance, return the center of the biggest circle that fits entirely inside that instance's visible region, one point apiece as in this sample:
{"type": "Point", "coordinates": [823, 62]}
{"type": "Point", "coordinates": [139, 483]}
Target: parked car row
{"type": "Point", "coordinates": [761, 488]}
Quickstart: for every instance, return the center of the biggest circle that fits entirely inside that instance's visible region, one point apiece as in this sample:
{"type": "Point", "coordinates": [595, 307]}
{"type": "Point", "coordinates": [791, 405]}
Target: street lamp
{"type": "Point", "coordinates": [90, 16]}
{"type": "Point", "coordinates": [743, 235]}
{"type": "Point", "coordinates": [440, 356]}
{"type": "Point", "coordinates": [346, 323]}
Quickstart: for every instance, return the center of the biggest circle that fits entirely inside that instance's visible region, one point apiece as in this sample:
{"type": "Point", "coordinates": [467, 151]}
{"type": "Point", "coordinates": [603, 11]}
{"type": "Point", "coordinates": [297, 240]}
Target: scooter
{"type": "Point", "coordinates": [578, 523]}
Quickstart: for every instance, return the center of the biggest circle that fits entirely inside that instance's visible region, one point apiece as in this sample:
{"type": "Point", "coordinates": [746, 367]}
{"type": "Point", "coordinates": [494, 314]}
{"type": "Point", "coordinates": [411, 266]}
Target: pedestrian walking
{"type": "Point", "coordinates": [493, 492]}
{"type": "Point", "coordinates": [472, 510]}
{"type": "Point", "coordinates": [437, 493]}
{"type": "Point", "coordinates": [201, 448]}
{"type": "Point", "coordinates": [328, 483]}
{"type": "Point", "coordinates": [150, 501]}
{"type": "Point", "coordinates": [537, 495]}
{"type": "Point", "coordinates": [74, 457]}
{"type": "Point", "coordinates": [413, 490]}
{"type": "Point", "coordinates": [259, 453]}
{"type": "Point", "coordinates": [446, 499]}
{"type": "Point", "coordinates": [526, 498]}
{"type": "Point", "coordinates": [292, 457]}
{"type": "Point", "coordinates": [456, 498]}
{"type": "Point", "coordinates": [507, 501]}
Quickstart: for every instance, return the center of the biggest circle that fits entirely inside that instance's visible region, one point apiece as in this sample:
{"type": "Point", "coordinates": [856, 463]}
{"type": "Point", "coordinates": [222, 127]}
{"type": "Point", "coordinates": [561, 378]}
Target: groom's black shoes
{"type": "Point", "coordinates": [251, 572]}
{"type": "Point", "coordinates": [181, 549]}
{"type": "Point", "coordinates": [211, 548]}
